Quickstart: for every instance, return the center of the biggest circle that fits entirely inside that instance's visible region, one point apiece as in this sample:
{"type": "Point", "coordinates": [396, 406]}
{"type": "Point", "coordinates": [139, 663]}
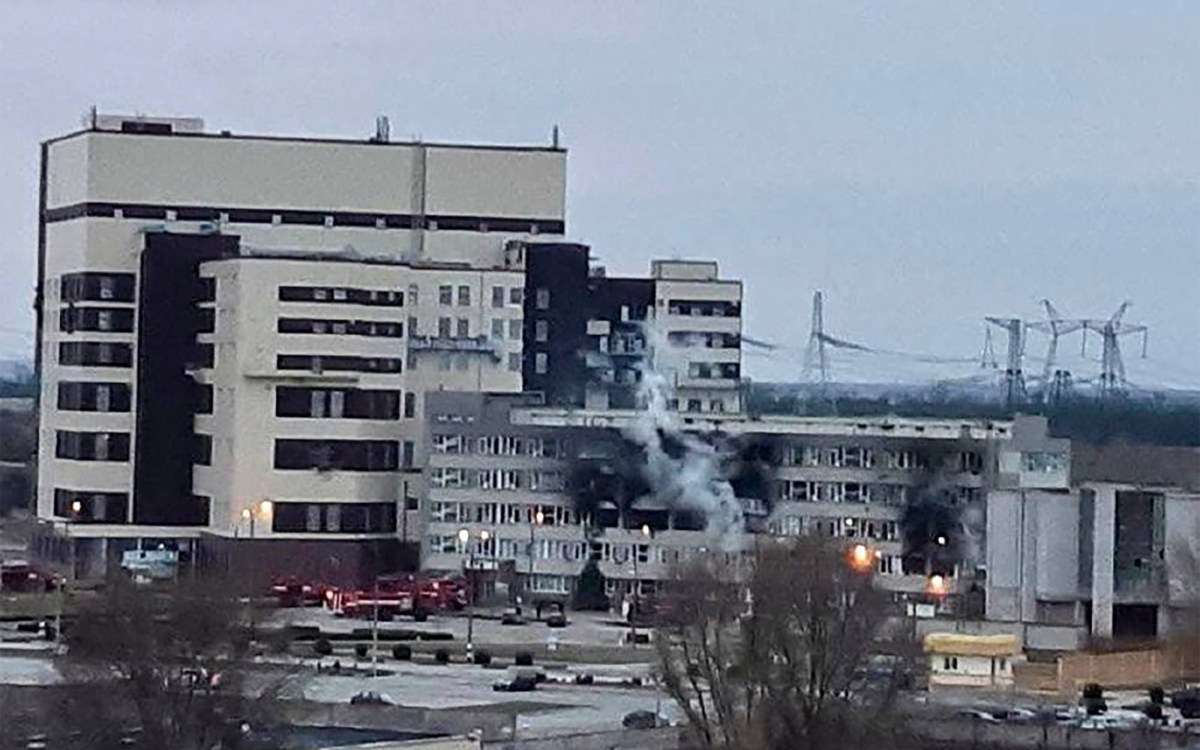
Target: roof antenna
{"type": "Point", "coordinates": [383, 129]}
{"type": "Point", "coordinates": [554, 137]}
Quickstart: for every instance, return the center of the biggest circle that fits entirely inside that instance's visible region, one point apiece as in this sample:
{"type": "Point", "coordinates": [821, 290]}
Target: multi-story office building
{"type": "Point", "coordinates": [590, 336]}
{"type": "Point", "coordinates": [553, 487]}
{"type": "Point", "coordinates": [1112, 554]}
{"type": "Point", "coordinates": [235, 332]}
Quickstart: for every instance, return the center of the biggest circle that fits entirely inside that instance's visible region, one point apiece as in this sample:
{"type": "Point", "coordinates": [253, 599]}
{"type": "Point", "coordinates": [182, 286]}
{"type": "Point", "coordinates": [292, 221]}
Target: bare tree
{"type": "Point", "coordinates": [791, 660]}
{"type": "Point", "coordinates": [175, 663]}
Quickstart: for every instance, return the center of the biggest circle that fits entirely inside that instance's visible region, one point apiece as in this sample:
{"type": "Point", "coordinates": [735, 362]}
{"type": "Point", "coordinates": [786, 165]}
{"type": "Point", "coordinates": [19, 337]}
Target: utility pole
{"type": "Point", "coordinates": [1014, 376]}
{"type": "Point", "coordinates": [815, 355]}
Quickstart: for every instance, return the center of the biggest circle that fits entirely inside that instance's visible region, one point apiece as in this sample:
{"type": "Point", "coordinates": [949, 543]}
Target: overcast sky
{"type": "Point", "coordinates": [924, 163]}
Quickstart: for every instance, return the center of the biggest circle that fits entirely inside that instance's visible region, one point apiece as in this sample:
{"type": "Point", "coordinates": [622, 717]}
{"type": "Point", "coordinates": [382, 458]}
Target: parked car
{"type": "Point", "coordinates": [512, 618]}
{"type": "Point", "coordinates": [1015, 715]}
{"type": "Point", "coordinates": [522, 683]}
{"type": "Point", "coordinates": [371, 698]}
{"type": "Point", "coordinates": [640, 720]}
{"type": "Point", "coordinates": [556, 620]}
{"type": "Point", "coordinates": [1188, 702]}
{"type": "Point", "coordinates": [978, 714]}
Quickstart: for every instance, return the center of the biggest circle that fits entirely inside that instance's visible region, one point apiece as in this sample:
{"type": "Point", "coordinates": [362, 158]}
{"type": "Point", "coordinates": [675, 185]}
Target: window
{"type": "Point", "coordinates": [407, 451]}
{"type": "Point", "coordinates": [106, 397]}
{"type": "Point", "coordinates": [87, 353]}
{"type": "Point", "coordinates": [346, 455]}
{"type": "Point", "coordinates": [449, 478]}
{"type": "Point", "coordinates": [92, 446]}
{"type": "Point", "coordinates": [332, 403]}
{"type": "Point", "coordinates": [444, 361]}
{"type": "Point", "coordinates": [541, 330]}
{"type": "Point", "coordinates": [453, 444]}
{"type": "Point", "coordinates": [464, 296]}
{"type": "Point", "coordinates": [202, 453]}
{"type": "Point", "coordinates": [1042, 462]}
{"type": "Point", "coordinates": [716, 405]}
{"type": "Point", "coordinates": [514, 362]}
{"type": "Point", "coordinates": [541, 363]}
{"type": "Point", "coordinates": [105, 319]}
{"type": "Point", "coordinates": [694, 404]}
{"type": "Point", "coordinates": [343, 518]}
{"type": "Point", "coordinates": [85, 506]}
{"type": "Point", "coordinates": [950, 663]}
{"type": "Point", "coordinates": [444, 328]}
{"type": "Point", "coordinates": [497, 296]}
{"type": "Point", "coordinates": [93, 286]}
{"type": "Point", "coordinates": [446, 294]}
{"type": "Point", "coordinates": [516, 295]}
{"type": "Point", "coordinates": [514, 329]}
{"type": "Point", "coordinates": [341, 295]}
{"type": "Point", "coordinates": [498, 329]}
{"type": "Point", "coordinates": [463, 328]}
{"type": "Point", "coordinates": [410, 405]}
{"type": "Point", "coordinates": [543, 298]}
{"type": "Point", "coordinates": [331, 363]}
{"type": "Point", "coordinates": [203, 396]}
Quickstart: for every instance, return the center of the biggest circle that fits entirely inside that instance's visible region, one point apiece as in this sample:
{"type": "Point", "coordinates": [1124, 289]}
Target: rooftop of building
{"type": "Point", "coordinates": [879, 427]}
{"type": "Point", "coordinates": [1148, 465]}
{"type": "Point", "coordinates": [193, 127]}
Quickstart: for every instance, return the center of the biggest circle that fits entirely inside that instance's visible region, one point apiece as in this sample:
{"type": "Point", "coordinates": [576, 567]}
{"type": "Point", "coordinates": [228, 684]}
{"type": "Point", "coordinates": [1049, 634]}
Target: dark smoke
{"type": "Point", "coordinates": [615, 471]}
{"type": "Point", "coordinates": [926, 520]}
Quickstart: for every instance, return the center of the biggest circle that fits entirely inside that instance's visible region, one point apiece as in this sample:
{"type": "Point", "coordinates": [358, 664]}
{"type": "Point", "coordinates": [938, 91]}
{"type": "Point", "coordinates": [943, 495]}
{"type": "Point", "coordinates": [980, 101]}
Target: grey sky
{"type": "Point", "coordinates": [924, 163]}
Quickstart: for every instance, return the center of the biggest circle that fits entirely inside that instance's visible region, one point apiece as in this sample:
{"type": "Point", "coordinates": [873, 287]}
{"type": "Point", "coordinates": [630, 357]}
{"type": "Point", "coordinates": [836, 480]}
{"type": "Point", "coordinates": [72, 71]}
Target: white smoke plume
{"type": "Point", "coordinates": [692, 481]}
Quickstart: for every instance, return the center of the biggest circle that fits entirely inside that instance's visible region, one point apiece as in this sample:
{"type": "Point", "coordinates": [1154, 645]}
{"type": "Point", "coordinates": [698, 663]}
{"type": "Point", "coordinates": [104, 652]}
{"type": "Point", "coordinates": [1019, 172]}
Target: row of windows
{"type": "Point", "coordinates": [704, 339]}
{"type": "Point", "coordinates": [714, 370]}
{"type": "Point", "coordinates": [334, 518]}
{"type": "Point", "coordinates": [387, 329]}
{"type": "Point", "coordinates": [856, 457]}
{"type": "Point", "coordinates": [84, 396]}
{"type": "Point", "coordinates": [854, 528]}
{"type": "Point", "coordinates": [695, 405]}
{"type": "Point", "coordinates": [343, 455]}
{"type": "Point", "coordinates": [94, 286]}
{"type": "Point", "coordinates": [453, 511]}
{"type": "Point", "coordinates": [82, 506]}
{"type": "Point", "coordinates": [515, 327]}
{"type": "Point", "coordinates": [342, 403]}
{"type": "Point", "coordinates": [707, 308]}
{"type": "Point", "coordinates": [516, 296]}
{"type": "Point", "coordinates": [497, 479]}
{"type": "Point", "coordinates": [107, 319]}
{"type": "Point", "coordinates": [499, 445]}
{"type": "Point", "coordinates": [338, 363]}
{"type": "Point", "coordinates": [278, 217]}
{"type": "Point", "coordinates": [92, 446]}
{"type": "Point", "coordinates": [95, 354]}
{"type": "Point", "coordinates": [802, 490]}
{"type": "Point", "coordinates": [374, 297]}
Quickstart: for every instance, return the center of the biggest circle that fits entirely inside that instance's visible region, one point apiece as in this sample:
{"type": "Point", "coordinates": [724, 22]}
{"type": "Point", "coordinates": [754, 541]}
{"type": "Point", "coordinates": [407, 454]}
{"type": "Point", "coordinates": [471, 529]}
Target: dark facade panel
{"type": "Point", "coordinates": [169, 288]}
{"type": "Point", "coordinates": [557, 294]}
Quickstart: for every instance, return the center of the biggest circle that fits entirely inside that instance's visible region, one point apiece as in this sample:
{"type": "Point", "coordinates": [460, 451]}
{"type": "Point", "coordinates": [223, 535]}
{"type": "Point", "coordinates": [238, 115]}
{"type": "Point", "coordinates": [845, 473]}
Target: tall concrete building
{"type": "Point", "coordinates": [235, 332]}
{"type": "Point", "coordinates": [1113, 553]}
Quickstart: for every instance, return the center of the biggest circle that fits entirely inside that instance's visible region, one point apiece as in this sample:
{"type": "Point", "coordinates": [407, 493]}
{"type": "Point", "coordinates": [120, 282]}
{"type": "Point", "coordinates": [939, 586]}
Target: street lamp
{"type": "Point", "coordinates": [262, 510]}
{"type": "Point", "coordinates": [464, 538]}
{"type": "Point", "coordinates": [637, 599]}
{"type": "Point", "coordinates": [538, 519]}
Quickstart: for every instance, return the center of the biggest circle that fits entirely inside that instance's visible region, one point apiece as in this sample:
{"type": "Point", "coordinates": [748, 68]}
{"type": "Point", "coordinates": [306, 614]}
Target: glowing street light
{"type": "Point", "coordinates": [937, 584]}
{"type": "Point", "coordinates": [861, 557]}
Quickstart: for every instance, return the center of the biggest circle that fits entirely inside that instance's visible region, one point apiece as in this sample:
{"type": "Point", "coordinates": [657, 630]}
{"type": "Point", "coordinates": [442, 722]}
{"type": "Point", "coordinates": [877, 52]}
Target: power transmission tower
{"type": "Point", "coordinates": [1054, 326]}
{"type": "Point", "coordinates": [1112, 366]}
{"type": "Point", "coordinates": [815, 355]}
{"type": "Point", "coordinates": [987, 357]}
{"type": "Point", "coordinates": [1014, 376]}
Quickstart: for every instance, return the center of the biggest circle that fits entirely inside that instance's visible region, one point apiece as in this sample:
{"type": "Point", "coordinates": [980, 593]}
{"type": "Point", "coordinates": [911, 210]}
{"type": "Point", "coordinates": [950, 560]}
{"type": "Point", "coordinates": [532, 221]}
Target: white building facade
{"type": "Point", "coordinates": [195, 283]}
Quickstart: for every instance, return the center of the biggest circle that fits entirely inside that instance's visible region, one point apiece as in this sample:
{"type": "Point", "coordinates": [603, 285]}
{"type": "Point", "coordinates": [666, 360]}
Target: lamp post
{"type": "Point", "coordinates": [538, 518]}
{"type": "Point", "coordinates": [464, 538]}
{"type": "Point", "coordinates": [637, 598]}
{"type": "Point", "coordinates": [262, 510]}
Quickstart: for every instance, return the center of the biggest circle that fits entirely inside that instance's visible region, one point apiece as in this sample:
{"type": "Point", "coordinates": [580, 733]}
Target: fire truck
{"type": "Point", "coordinates": [408, 595]}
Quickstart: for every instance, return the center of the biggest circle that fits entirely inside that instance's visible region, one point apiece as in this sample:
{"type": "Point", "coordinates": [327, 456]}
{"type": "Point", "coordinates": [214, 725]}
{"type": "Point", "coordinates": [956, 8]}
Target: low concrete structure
{"type": "Point", "coordinates": [957, 660]}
